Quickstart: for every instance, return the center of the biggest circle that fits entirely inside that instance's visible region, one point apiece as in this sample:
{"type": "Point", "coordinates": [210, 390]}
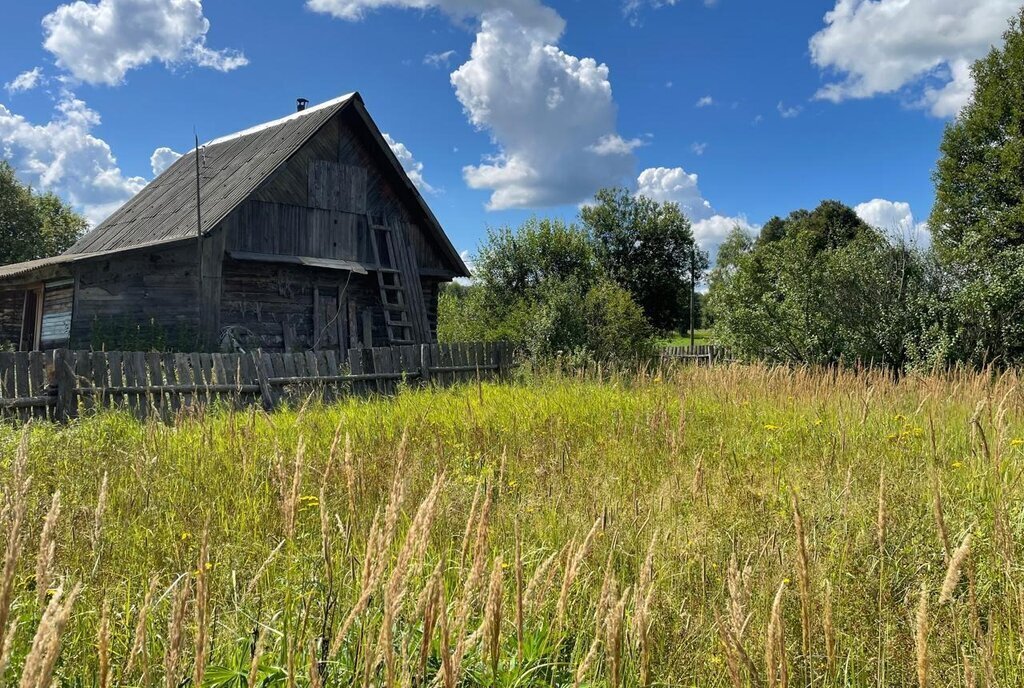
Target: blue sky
{"type": "Point", "coordinates": [502, 109]}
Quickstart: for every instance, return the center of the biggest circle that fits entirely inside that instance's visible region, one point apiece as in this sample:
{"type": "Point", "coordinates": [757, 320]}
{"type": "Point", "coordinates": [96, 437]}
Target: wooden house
{"type": "Point", "coordinates": [308, 235]}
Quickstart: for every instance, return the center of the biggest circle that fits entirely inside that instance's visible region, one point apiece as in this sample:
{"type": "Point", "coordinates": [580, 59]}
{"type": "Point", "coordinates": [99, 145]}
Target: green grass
{"type": "Point", "coordinates": [704, 462]}
{"type": "Point", "coordinates": [682, 338]}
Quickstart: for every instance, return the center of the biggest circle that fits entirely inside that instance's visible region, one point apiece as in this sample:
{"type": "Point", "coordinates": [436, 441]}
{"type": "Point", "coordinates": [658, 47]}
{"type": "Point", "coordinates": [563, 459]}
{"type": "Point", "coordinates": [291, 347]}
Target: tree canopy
{"type": "Point", "coordinates": [823, 287]}
{"type": "Point", "coordinates": [977, 221]}
{"type": "Point", "coordinates": [541, 287]}
{"type": "Point", "coordinates": [648, 249]}
{"type": "Point", "coordinates": [33, 225]}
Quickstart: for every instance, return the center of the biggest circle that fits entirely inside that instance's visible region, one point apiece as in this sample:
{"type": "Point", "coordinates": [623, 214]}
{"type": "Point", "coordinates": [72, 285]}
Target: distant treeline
{"type": "Point", "coordinates": [819, 286]}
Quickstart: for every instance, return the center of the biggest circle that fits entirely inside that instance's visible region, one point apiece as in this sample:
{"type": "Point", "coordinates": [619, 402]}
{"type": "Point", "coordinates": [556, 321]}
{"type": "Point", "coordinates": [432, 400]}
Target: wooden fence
{"type": "Point", "coordinates": [61, 384]}
{"type": "Point", "coordinates": [703, 353]}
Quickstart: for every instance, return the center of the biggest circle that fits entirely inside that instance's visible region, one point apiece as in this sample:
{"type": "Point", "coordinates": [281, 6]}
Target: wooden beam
{"type": "Point", "coordinates": [212, 267]}
{"type": "Point", "coordinates": [340, 318]}
{"type": "Point", "coordinates": [317, 325]}
{"type": "Point", "coordinates": [368, 328]}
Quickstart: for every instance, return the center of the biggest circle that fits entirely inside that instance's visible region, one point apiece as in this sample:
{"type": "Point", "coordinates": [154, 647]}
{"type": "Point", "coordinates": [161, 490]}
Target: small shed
{"type": "Point", "coordinates": [308, 235]}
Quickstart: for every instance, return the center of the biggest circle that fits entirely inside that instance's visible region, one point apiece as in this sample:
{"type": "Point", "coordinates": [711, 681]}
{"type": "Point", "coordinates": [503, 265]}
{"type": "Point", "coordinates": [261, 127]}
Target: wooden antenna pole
{"type": "Point", "coordinates": [199, 244]}
{"type": "Point", "coordinates": [693, 286]}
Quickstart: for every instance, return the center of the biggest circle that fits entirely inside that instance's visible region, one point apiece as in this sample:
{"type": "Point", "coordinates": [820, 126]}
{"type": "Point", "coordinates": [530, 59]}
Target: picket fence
{"type": "Point", "coordinates": [60, 385]}
{"type": "Point", "coordinates": [703, 353]}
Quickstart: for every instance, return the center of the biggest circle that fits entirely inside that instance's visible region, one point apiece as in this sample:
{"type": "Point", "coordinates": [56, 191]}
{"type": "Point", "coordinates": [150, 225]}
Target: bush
{"type": "Point", "coordinates": [615, 323]}
{"type": "Point", "coordinates": [821, 287]}
{"type": "Point", "coordinates": [541, 288]}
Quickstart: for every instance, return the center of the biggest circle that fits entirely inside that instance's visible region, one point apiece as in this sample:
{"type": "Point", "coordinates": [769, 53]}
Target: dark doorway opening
{"type": "Point", "coordinates": [30, 320]}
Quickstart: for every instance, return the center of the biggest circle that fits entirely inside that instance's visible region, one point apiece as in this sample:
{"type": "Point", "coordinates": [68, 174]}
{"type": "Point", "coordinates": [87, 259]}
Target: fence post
{"type": "Point", "coordinates": [266, 393]}
{"type": "Point", "coordinates": [425, 363]}
{"type": "Point", "coordinates": [64, 375]}
{"type": "Point", "coordinates": [504, 360]}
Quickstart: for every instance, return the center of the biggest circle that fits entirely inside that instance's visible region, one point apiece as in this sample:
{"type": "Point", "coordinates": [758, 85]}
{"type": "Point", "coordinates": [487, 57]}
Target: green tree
{"type": "Point", "coordinates": [773, 230]}
{"type": "Point", "coordinates": [737, 243]}
{"type": "Point", "coordinates": [511, 263]}
{"type": "Point", "coordinates": [33, 225]}
{"type": "Point", "coordinates": [827, 288]}
{"type": "Point", "coordinates": [978, 218]}
{"type": "Point", "coordinates": [649, 250]}
{"type": "Point", "coordinates": [541, 287]}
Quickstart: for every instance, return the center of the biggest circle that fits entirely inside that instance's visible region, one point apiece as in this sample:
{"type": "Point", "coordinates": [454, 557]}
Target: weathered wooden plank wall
{"type": "Point", "coordinates": [158, 288]}
{"type": "Point", "coordinates": [291, 230]}
{"type": "Point", "coordinates": [276, 304]}
{"type": "Point", "coordinates": [66, 383]}
{"type": "Point", "coordinates": [12, 310]}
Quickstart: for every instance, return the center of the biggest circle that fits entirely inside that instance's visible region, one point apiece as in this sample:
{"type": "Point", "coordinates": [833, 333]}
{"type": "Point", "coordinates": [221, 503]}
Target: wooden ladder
{"type": "Point", "coordinates": [394, 295]}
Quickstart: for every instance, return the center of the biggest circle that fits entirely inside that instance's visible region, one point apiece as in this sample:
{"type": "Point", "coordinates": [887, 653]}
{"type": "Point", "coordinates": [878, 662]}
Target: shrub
{"type": "Point", "coordinates": [541, 288]}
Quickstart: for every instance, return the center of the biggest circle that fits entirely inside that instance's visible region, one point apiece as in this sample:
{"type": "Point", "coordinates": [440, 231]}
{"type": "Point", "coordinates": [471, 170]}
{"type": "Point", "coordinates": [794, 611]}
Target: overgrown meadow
{"type": "Point", "coordinates": [725, 526]}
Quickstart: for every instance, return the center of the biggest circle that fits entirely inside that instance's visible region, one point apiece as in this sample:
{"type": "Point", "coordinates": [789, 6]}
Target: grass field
{"type": "Point", "coordinates": [700, 337]}
{"type": "Point", "coordinates": [704, 527]}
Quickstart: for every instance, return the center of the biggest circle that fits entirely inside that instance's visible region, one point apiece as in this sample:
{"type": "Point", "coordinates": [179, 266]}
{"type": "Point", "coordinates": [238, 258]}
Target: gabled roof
{"type": "Point", "coordinates": [165, 210]}
{"type": "Point", "coordinates": [232, 168]}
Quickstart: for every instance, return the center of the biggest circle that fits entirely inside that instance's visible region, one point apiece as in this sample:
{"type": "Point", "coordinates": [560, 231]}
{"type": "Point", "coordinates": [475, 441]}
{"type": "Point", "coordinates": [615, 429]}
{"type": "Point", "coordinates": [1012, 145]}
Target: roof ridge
{"type": "Point", "coordinates": [282, 120]}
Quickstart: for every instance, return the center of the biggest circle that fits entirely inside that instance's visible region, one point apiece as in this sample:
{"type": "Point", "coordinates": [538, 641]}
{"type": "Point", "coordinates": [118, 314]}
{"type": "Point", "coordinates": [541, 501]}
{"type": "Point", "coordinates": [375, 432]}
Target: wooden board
{"type": "Point", "coordinates": [164, 385]}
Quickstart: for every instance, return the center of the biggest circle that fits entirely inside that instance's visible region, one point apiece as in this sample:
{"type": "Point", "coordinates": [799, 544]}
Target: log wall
{"type": "Point", "coordinates": [275, 303]}
{"type": "Point", "coordinates": [153, 292]}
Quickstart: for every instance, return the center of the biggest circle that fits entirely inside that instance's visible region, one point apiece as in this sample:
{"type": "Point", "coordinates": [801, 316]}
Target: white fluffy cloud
{"type": "Point", "coordinates": [705, 101]}
{"type": "Point", "coordinates": [64, 156]}
{"type": "Point", "coordinates": [676, 185]}
{"type": "Point", "coordinates": [26, 81]}
{"type": "Point", "coordinates": [161, 159]}
{"type": "Point", "coordinates": [550, 114]}
{"type": "Point", "coordinates": [613, 144]}
{"type": "Point", "coordinates": [712, 231]}
{"type": "Point", "coordinates": [410, 164]}
{"type": "Point", "coordinates": [679, 186]}
{"type": "Point", "coordinates": [100, 42]}
{"type": "Point", "coordinates": [925, 46]}
{"type": "Point", "coordinates": [896, 219]}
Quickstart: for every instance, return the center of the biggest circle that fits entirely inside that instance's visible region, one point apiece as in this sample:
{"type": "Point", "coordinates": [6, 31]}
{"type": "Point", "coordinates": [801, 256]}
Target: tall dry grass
{"type": "Point", "coordinates": [738, 526]}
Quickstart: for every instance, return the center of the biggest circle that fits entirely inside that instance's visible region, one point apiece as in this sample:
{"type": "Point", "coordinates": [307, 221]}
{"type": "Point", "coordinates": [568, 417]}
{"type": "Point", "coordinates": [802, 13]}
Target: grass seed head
{"type": "Point", "coordinates": [921, 638]}
{"type": "Point", "coordinates": [954, 570]}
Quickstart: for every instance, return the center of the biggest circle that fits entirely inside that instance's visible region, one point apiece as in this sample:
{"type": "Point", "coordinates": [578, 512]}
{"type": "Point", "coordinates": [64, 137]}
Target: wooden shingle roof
{"type": "Point", "coordinates": [232, 167]}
